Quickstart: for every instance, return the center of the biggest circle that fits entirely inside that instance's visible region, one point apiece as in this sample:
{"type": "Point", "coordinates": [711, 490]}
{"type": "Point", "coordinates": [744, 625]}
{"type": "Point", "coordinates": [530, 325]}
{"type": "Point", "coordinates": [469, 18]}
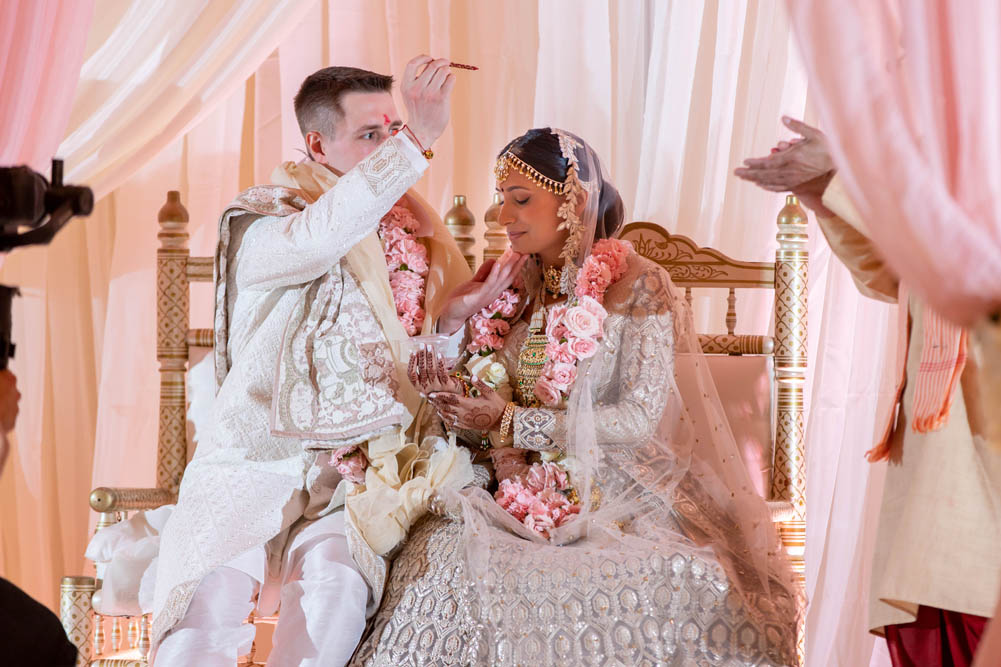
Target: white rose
{"type": "Point", "coordinates": [495, 374]}
{"type": "Point", "coordinates": [487, 369]}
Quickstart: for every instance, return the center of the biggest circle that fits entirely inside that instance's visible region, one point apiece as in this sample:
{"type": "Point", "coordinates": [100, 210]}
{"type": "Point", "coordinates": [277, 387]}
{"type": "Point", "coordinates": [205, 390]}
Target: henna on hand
{"type": "Point", "coordinates": [412, 371]}
{"type": "Point", "coordinates": [440, 369]}
{"type": "Point", "coordinates": [481, 418]}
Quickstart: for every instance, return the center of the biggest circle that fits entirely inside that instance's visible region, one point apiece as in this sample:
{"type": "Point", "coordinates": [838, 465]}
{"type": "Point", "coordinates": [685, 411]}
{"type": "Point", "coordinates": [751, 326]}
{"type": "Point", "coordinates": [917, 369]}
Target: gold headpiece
{"type": "Point", "coordinates": [508, 160]}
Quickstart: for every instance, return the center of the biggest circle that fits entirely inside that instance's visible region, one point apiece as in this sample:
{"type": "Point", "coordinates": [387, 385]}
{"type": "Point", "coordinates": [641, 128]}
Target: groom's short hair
{"type": "Point", "coordinates": [318, 102]}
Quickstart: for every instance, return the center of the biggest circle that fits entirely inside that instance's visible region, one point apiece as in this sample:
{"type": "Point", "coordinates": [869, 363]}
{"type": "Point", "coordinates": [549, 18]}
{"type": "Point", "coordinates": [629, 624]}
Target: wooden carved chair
{"type": "Point", "coordinates": [734, 356]}
{"type": "Point", "coordinates": [124, 641]}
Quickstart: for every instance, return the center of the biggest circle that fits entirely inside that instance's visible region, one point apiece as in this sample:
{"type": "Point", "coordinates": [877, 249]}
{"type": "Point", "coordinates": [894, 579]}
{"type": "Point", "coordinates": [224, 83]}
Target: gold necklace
{"type": "Point", "coordinates": [531, 359]}
{"type": "Point", "coordinates": [551, 278]}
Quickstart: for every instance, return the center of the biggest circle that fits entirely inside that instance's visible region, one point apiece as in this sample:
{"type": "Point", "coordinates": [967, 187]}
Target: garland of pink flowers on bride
{"type": "Point", "coordinates": [407, 261]}
{"type": "Point", "coordinates": [572, 330]}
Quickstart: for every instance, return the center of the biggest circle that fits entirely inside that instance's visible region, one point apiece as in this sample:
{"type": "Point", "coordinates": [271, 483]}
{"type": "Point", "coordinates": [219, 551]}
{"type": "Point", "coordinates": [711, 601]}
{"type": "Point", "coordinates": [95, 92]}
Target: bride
{"type": "Point", "coordinates": [624, 528]}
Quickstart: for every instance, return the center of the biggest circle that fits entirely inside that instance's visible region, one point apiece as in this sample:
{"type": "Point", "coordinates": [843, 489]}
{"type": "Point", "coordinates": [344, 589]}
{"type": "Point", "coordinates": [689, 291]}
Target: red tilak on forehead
{"type": "Point", "coordinates": [385, 119]}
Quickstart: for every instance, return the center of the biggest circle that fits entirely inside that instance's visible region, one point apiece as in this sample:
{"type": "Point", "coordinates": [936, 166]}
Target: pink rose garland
{"type": "Point", "coordinates": [573, 331]}
{"type": "Point", "coordinates": [490, 325]}
{"type": "Point", "coordinates": [407, 261]}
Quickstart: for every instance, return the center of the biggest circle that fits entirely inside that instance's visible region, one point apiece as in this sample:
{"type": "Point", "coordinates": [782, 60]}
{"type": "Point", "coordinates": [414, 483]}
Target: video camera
{"type": "Point", "coordinates": [32, 211]}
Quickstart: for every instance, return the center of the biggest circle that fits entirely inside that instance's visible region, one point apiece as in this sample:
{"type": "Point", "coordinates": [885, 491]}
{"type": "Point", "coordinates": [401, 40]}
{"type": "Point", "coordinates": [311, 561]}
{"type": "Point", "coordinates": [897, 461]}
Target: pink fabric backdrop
{"type": "Point", "coordinates": [910, 94]}
{"type": "Point", "coordinates": [41, 50]}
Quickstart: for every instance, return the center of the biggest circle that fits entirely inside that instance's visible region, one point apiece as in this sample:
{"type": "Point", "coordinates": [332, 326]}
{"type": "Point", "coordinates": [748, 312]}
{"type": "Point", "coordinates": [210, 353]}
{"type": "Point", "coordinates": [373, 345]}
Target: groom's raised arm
{"type": "Point", "coordinates": [298, 248]}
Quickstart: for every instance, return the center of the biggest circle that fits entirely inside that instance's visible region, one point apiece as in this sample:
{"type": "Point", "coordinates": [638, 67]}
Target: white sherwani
{"type": "Point", "coordinates": [249, 480]}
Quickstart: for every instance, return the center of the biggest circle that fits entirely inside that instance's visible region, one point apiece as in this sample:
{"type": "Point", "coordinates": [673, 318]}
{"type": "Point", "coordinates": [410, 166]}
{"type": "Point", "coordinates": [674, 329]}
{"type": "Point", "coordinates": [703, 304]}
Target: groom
{"type": "Point", "coordinates": [310, 358]}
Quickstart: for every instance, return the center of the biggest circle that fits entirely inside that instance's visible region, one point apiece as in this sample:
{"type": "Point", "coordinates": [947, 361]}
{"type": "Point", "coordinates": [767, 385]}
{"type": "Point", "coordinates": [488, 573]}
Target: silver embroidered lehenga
{"type": "Point", "coordinates": [673, 559]}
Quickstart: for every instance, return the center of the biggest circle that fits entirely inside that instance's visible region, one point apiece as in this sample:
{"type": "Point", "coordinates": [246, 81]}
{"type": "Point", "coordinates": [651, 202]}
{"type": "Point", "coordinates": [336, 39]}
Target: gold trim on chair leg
{"type": "Point", "coordinates": [172, 315]}
{"type": "Point", "coordinates": [789, 469]}
{"type": "Point", "coordinates": [76, 614]}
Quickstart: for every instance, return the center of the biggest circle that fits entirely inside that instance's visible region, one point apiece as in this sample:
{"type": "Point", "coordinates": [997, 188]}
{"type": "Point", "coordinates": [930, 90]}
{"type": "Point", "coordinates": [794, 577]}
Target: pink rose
{"type": "Point", "coordinates": [414, 255]}
{"type": "Point", "coordinates": [547, 475]}
{"type": "Point", "coordinates": [542, 524]}
{"type": "Point", "coordinates": [407, 283]}
{"type": "Point", "coordinates": [400, 217]}
{"type": "Point", "coordinates": [581, 323]}
{"type": "Point", "coordinates": [350, 463]}
{"type": "Point", "coordinates": [556, 315]}
{"type": "Point", "coordinates": [583, 348]}
{"type": "Point", "coordinates": [546, 392]}
{"type": "Point", "coordinates": [509, 462]}
{"type": "Point", "coordinates": [591, 305]}
{"type": "Point", "coordinates": [563, 375]}
{"type": "Point", "coordinates": [491, 326]}
{"type": "Point", "coordinates": [392, 236]}
{"type": "Point", "coordinates": [559, 352]}
{"type": "Point", "coordinates": [593, 280]}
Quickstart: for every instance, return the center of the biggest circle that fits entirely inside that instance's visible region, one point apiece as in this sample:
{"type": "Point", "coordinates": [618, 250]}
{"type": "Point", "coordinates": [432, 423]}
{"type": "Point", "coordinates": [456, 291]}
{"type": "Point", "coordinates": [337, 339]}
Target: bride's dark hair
{"type": "Point", "coordinates": [540, 148]}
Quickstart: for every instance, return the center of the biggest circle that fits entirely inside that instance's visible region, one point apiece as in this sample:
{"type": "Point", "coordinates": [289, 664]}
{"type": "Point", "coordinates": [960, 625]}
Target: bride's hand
{"type": "Point", "coordinates": [469, 298]}
{"type": "Point", "coordinates": [428, 373]}
{"type": "Point", "coordinates": [479, 413]}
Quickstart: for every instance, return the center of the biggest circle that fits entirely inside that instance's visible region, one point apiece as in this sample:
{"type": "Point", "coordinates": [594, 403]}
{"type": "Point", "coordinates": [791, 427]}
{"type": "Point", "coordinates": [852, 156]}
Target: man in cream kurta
{"type": "Point", "coordinates": [937, 565]}
{"type": "Point", "coordinates": [309, 358]}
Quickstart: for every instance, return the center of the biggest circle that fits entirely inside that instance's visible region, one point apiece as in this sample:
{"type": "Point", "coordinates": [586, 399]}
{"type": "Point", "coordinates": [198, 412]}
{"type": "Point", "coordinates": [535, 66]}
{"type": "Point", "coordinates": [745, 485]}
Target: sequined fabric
{"type": "Point", "coordinates": [664, 609]}
{"type": "Point", "coordinates": [425, 617]}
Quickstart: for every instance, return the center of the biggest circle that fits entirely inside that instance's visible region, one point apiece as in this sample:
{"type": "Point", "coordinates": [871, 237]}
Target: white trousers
{"type": "Point", "coordinates": [322, 614]}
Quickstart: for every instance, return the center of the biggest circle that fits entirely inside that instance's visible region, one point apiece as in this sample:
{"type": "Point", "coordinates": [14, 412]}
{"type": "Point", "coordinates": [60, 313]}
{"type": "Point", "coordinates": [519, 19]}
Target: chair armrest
{"type": "Point", "coordinates": [111, 499]}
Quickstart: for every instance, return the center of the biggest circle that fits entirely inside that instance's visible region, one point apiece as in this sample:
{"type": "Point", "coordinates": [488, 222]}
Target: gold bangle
{"type": "Point", "coordinates": [507, 420]}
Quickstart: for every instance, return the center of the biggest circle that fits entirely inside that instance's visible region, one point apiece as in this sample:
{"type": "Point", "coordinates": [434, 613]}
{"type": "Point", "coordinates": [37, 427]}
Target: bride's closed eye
{"type": "Point", "coordinates": [522, 202]}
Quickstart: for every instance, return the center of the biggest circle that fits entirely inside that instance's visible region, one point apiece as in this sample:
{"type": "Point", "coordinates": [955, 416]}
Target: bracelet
{"type": "Point", "coordinates": [426, 152]}
{"type": "Point", "coordinates": [507, 419]}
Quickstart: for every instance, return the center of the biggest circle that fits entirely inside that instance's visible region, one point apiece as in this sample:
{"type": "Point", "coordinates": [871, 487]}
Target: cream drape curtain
{"type": "Point", "coordinates": [673, 95]}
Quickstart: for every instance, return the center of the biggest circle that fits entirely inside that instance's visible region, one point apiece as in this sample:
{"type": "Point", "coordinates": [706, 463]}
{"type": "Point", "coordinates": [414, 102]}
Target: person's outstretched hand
{"type": "Point", "coordinates": [802, 166]}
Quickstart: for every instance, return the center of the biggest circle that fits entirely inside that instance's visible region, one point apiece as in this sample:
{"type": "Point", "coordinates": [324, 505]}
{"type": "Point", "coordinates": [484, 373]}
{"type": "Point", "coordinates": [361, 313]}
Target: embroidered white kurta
{"type": "Point", "coordinates": [247, 485]}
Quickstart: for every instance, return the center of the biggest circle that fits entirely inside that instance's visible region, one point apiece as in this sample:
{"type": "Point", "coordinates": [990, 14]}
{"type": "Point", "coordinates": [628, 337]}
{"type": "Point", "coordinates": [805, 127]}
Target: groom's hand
{"type": "Point", "coordinates": [427, 91]}
{"type": "Point", "coordinates": [470, 297]}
